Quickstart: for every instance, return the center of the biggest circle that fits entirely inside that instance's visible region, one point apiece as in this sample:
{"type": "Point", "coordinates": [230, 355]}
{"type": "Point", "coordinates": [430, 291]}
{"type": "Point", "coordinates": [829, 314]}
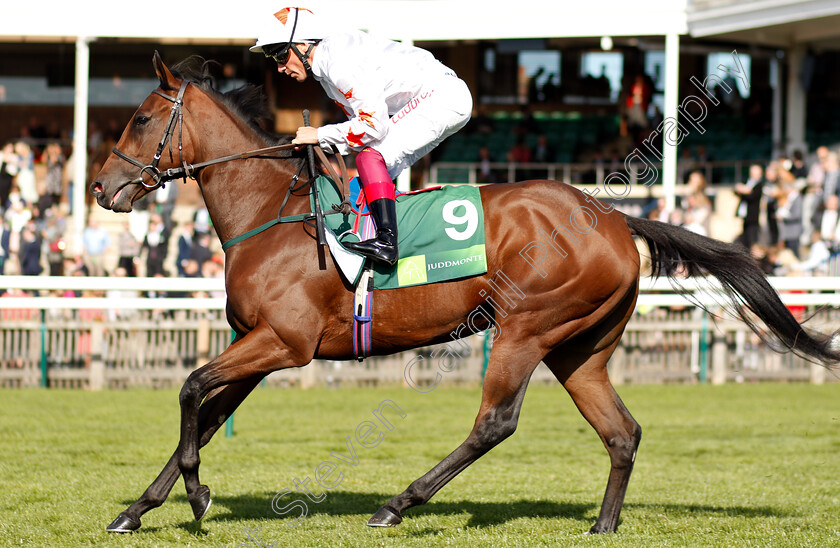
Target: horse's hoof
{"type": "Point", "coordinates": [385, 517]}
{"type": "Point", "coordinates": [200, 502]}
{"type": "Point", "coordinates": [599, 530]}
{"type": "Point", "coordinates": [123, 524]}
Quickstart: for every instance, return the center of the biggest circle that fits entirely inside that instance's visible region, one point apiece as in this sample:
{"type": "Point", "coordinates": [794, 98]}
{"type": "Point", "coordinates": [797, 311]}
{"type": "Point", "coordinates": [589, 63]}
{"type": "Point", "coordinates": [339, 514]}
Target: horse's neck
{"type": "Point", "coordinates": [243, 194]}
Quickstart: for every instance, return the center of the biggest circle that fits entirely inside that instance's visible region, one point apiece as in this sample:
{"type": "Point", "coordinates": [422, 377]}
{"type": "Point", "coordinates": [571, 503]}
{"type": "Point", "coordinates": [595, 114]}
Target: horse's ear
{"type": "Point", "coordinates": [167, 80]}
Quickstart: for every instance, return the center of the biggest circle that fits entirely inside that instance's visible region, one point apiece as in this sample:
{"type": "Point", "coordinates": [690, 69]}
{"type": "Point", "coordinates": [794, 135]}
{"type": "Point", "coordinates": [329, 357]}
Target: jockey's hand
{"type": "Point", "coordinates": [305, 136]}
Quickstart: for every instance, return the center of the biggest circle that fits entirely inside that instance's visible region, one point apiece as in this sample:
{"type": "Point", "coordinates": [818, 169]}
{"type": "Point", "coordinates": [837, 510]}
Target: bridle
{"type": "Point", "coordinates": [176, 118]}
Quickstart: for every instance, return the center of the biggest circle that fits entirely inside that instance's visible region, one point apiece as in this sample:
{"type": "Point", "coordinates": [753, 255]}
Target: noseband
{"type": "Point", "coordinates": [176, 117]}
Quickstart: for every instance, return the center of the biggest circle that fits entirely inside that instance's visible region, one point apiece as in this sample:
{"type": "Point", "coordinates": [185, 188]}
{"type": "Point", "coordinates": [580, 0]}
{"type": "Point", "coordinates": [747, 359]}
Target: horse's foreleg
{"type": "Point", "coordinates": [213, 412]}
{"type": "Point", "coordinates": [251, 358]}
{"type": "Point", "coordinates": [504, 388]}
{"type": "Point", "coordinates": [587, 381]}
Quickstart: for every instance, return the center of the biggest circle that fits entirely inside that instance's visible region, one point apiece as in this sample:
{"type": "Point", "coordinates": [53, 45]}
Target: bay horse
{"type": "Point", "coordinates": [575, 291]}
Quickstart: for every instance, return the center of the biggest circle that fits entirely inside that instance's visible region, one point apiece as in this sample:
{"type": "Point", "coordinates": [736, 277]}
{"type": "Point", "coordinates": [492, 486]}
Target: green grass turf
{"type": "Point", "coordinates": [736, 465]}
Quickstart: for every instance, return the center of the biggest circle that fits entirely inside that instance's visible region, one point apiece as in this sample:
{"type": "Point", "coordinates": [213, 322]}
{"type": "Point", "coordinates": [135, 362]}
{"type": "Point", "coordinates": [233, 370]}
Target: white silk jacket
{"type": "Point", "coordinates": [371, 79]}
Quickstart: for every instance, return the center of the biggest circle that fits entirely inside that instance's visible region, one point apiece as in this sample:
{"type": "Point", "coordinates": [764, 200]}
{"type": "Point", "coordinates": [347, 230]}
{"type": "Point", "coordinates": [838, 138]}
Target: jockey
{"type": "Point", "coordinates": [400, 102]}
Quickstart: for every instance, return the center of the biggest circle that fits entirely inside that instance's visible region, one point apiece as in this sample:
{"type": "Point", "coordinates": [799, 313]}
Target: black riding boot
{"type": "Point", "coordinates": [383, 247]}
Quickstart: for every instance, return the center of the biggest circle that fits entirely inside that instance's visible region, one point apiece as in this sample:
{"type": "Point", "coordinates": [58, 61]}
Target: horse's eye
{"type": "Point", "coordinates": [141, 120]}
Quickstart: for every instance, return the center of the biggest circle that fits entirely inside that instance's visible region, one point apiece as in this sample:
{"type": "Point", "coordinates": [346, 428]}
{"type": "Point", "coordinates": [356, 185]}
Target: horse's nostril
{"type": "Point", "coordinates": [96, 188]}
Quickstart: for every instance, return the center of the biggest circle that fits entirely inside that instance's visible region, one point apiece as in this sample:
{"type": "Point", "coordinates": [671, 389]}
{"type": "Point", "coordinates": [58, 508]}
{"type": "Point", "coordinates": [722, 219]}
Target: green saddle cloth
{"type": "Point", "coordinates": [441, 235]}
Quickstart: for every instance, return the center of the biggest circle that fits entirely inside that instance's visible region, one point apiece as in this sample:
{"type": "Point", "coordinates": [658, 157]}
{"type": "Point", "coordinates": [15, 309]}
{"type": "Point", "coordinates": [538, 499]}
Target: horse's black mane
{"type": "Point", "coordinates": [248, 101]}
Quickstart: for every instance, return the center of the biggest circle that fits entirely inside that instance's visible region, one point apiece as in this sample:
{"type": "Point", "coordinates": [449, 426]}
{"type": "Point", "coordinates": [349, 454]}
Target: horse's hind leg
{"type": "Point", "coordinates": [216, 408]}
{"type": "Point", "coordinates": [585, 377]}
{"type": "Point", "coordinates": [504, 388]}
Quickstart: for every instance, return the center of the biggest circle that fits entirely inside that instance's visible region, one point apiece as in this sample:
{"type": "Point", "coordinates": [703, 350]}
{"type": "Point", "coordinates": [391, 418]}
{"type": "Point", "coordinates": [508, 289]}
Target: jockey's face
{"type": "Point", "coordinates": [293, 66]}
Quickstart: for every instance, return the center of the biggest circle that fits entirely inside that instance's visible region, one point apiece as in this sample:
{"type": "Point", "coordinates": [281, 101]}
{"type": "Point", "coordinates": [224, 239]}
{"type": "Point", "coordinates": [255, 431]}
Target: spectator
{"type": "Point", "coordinates": [54, 160]}
{"type": "Point", "coordinates": [520, 153]}
{"type": "Point", "coordinates": [817, 171]}
{"type": "Point", "coordinates": [749, 209]}
{"type": "Point", "coordinates": [8, 170]}
{"type": "Point", "coordinates": [95, 242]}
{"type": "Point", "coordinates": [5, 233]}
{"type": "Point", "coordinates": [543, 152]}
{"type": "Point", "coordinates": [817, 262]}
{"type": "Point", "coordinates": [26, 173]}
{"type": "Point", "coordinates": [658, 211]}
{"type": "Point", "coordinates": [185, 243]}
{"type": "Point", "coordinates": [816, 182]}
{"type": "Point", "coordinates": [485, 172]}
{"type": "Point", "coordinates": [138, 221]}
{"type": "Point", "coordinates": [789, 212]}
{"type": "Point", "coordinates": [192, 269]}
{"type": "Point", "coordinates": [698, 208]}
{"type": "Point", "coordinates": [67, 181]}
{"type": "Point", "coordinates": [56, 224]}
{"type": "Point", "coordinates": [831, 185]}
{"type": "Point", "coordinates": [200, 251]}
{"type": "Point", "coordinates": [165, 198]}
{"type": "Point", "coordinates": [638, 101]}
{"type": "Point", "coordinates": [30, 251]}
{"type": "Point", "coordinates": [798, 168]}
{"type": "Point", "coordinates": [129, 249]}
{"type": "Point", "coordinates": [550, 90]}
{"type": "Point", "coordinates": [75, 266]}
{"type": "Point", "coordinates": [764, 259]}
{"type": "Point", "coordinates": [201, 220]}
{"type": "Point", "coordinates": [156, 244]}
{"type": "Point", "coordinates": [17, 215]}
{"type": "Point", "coordinates": [771, 193]}
{"type": "Point", "coordinates": [535, 93]}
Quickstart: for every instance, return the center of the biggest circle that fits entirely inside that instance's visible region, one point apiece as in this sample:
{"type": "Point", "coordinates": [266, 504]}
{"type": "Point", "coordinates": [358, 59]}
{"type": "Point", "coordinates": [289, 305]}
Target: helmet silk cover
{"type": "Point", "coordinates": [296, 25]}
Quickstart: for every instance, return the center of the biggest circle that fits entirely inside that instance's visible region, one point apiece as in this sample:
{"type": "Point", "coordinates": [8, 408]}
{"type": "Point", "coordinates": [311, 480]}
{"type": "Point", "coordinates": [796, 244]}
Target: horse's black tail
{"type": "Point", "coordinates": [677, 252]}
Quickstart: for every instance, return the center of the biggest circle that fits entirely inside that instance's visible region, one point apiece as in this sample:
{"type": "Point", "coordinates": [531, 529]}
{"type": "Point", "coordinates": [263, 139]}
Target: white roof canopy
{"type": "Point", "coordinates": [768, 22]}
{"type": "Point", "coordinates": [193, 20]}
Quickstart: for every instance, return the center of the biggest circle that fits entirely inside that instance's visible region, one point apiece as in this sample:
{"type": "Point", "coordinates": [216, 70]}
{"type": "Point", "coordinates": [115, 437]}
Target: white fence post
{"type": "Point", "coordinates": [817, 374]}
{"type": "Point", "coordinates": [719, 359]}
{"type": "Point", "coordinates": [96, 379]}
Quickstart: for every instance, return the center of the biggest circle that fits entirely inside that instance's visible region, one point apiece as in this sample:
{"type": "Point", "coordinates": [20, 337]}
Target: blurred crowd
{"type": "Point", "coordinates": [788, 209]}
{"type": "Point", "coordinates": [36, 181]}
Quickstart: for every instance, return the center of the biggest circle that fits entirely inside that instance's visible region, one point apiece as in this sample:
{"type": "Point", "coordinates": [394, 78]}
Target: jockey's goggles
{"type": "Point", "coordinates": [278, 52]}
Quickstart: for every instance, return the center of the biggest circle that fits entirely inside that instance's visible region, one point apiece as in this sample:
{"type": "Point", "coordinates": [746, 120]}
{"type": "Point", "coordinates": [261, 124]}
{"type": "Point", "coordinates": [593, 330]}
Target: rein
{"type": "Point", "coordinates": [160, 178]}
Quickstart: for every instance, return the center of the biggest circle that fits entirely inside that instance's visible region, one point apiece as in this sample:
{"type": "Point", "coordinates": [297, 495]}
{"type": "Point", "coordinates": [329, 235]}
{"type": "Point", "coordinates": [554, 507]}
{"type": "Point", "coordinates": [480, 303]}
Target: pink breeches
{"type": "Point", "coordinates": [373, 175]}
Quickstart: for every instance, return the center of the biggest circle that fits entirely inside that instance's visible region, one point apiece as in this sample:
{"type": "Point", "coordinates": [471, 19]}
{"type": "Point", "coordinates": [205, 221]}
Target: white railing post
{"type": "Point", "coordinates": [96, 380]}
{"type": "Point", "coordinates": [719, 358]}
{"type": "Point", "coordinates": [817, 374]}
